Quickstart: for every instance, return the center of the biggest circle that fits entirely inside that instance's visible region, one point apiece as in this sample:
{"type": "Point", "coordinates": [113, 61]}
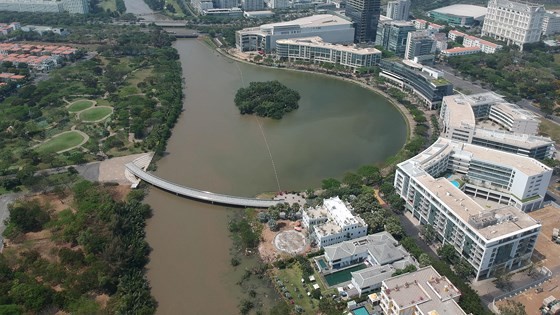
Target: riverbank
{"type": "Point", "coordinates": [410, 123]}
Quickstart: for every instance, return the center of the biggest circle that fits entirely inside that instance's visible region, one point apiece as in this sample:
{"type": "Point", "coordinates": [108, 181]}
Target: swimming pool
{"type": "Point", "coordinates": [343, 275]}
{"type": "Point", "coordinates": [360, 311]}
{"type": "Point", "coordinates": [455, 183]}
{"type": "Point", "coordinates": [322, 263]}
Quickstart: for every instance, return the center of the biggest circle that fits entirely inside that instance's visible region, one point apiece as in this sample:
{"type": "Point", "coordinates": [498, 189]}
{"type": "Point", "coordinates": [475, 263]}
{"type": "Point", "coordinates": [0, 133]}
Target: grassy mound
{"type": "Point", "coordinates": [61, 142]}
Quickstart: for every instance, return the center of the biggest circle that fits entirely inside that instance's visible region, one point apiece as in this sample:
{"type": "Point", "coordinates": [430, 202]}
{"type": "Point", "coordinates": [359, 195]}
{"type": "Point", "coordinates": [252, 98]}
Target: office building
{"type": "Point", "coordinates": [461, 114]}
{"type": "Point", "coordinates": [392, 35]}
{"type": "Point", "coordinates": [516, 23]}
{"type": "Point", "coordinates": [420, 47]}
{"type": "Point", "coordinates": [331, 28]}
{"type": "Point", "coordinates": [427, 84]}
{"type": "Point", "coordinates": [278, 4]}
{"type": "Point", "coordinates": [333, 222]}
{"type": "Point", "coordinates": [314, 49]}
{"type": "Point", "coordinates": [46, 6]}
{"type": "Point", "coordinates": [473, 197]}
{"type": "Point", "coordinates": [76, 6]}
{"type": "Point", "coordinates": [398, 10]}
{"type": "Point", "coordinates": [365, 15]}
{"type": "Point", "coordinates": [550, 23]}
{"type": "Point", "coordinates": [225, 4]}
{"type": "Point", "coordinates": [420, 292]}
{"type": "Point", "coordinates": [252, 5]}
{"type": "Point", "coordinates": [459, 14]}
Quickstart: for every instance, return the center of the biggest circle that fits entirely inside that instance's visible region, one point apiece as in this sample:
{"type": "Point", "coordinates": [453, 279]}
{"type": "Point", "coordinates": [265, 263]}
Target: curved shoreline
{"type": "Point", "coordinates": [410, 123]}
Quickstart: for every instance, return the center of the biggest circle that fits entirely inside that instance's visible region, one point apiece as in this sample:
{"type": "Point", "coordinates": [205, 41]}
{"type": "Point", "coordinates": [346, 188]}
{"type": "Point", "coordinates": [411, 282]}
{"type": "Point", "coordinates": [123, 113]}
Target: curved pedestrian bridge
{"type": "Point", "coordinates": [199, 194]}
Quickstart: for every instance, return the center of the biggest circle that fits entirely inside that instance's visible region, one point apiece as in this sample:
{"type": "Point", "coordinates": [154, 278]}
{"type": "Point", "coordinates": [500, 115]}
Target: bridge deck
{"type": "Point", "coordinates": [200, 194]}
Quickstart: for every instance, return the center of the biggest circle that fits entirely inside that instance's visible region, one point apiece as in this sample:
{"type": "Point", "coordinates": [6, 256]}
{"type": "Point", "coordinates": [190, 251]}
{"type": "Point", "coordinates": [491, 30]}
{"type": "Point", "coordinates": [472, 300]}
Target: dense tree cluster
{"type": "Point", "coordinates": [532, 74]}
{"type": "Point", "coordinates": [100, 249]}
{"type": "Point", "coordinates": [156, 5]}
{"type": "Point", "coordinates": [267, 99]}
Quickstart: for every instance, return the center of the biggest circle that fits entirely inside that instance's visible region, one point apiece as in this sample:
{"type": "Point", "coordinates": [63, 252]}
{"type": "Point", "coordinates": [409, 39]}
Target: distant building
{"type": "Point", "coordinates": [420, 24]}
{"type": "Point", "coordinates": [459, 14]}
{"type": "Point", "coordinates": [551, 23]}
{"type": "Point", "coordinates": [224, 13]}
{"type": "Point", "coordinates": [333, 222]}
{"type": "Point", "coordinates": [420, 47]}
{"type": "Point", "coordinates": [365, 15]}
{"type": "Point", "coordinates": [441, 41]}
{"type": "Point", "coordinates": [392, 35]}
{"type": "Point", "coordinates": [225, 4]}
{"type": "Point", "coordinates": [252, 5]}
{"type": "Point", "coordinates": [423, 82]}
{"type": "Point", "coordinates": [278, 4]}
{"type": "Point", "coordinates": [314, 49]}
{"type": "Point", "coordinates": [258, 14]}
{"type": "Point", "coordinates": [202, 5]}
{"type": "Point", "coordinates": [484, 45]}
{"type": "Point", "coordinates": [460, 51]}
{"type": "Point", "coordinates": [516, 23]}
{"type": "Point", "coordinates": [398, 10]}
{"type": "Point", "coordinates": [46, 6]}
{"type": "Point", "coordinates": [420, 292]}
{"type": "Point", "coordinates": [460, 113]}
{"type": "Point", "coordinates": [331, 28]}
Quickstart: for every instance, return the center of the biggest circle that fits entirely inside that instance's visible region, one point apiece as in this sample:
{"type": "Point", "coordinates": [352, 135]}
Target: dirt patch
{"type": "Point", "coordinates": [267, 249]}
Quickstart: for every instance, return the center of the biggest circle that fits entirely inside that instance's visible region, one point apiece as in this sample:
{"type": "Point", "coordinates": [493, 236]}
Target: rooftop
{"type": "Point", "coordinates": [426, 290]}
{"type": "Point", "coordinates": [382, 246]}
{"type": "Point", "coordinates": [467, 10]}
{"type": "Point", "coordinates": [317, 41]}
{"type": "Point", "coordinates": [461, 49]}
{"type": "Point", "coordinates": [516, 112]}
{"type": "Point", "coordinates": [517, 139]}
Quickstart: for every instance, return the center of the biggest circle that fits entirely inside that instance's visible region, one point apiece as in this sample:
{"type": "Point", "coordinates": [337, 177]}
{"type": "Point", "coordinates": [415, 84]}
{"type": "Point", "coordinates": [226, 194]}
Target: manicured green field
{"type": "Point", "coordinates": [62, 142]}
{"type": "Point", "coordinates": [79, 106]}
{"type": "Point", "coordinates": [95, 114]}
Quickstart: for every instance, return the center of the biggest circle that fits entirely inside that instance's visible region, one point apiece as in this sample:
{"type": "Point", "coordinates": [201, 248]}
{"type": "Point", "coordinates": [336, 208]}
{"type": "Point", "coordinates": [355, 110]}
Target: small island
{"type": "Point", "coordinates": [266, 99]}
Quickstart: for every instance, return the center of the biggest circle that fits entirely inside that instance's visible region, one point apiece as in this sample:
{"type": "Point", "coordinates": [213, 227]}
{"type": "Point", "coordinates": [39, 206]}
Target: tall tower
{"type": "Point", "coordinates": [398, 10]}
{"type": "Point", "coordinates": [365, 15]}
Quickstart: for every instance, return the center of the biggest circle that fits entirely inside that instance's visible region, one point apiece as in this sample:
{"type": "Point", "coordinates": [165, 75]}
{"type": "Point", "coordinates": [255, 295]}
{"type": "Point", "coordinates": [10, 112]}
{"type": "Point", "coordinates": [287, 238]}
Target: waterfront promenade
{"type": "Point", "coordinates": [199, 194]}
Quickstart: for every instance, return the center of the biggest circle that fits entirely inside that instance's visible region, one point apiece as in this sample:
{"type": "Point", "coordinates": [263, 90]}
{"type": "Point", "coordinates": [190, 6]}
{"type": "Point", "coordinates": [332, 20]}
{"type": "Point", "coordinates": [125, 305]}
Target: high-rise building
{"type": "Point", "coordinates": [225, 4]}
{"type": "Point", "coordinates": [513, 22]}
{"type": "Point", "coordinates": [392, 35]}
{"type": "Point", "coordinates": [398, 10]}
{"type": "Point", "coordinates": [252, 5]}
{"type": "Point", "coordinates": [365, 15]}
{"type": "Point", "coordinates": [551, 23]}
{"type": "Point", "coordinates": [278, 4]}
{"type": "Point", "coordinates": [420, 47]}
{"type": "Point", "coordinates": [53, 6]}
{"type": "Point", "coordinates": [76, 6]}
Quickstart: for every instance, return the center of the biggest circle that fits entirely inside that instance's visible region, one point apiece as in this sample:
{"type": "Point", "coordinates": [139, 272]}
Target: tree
{"type": "Point", "coordinates": [370, 174]}
{"type": "Point", "coordinates": [503, 279]}
{"type": "Point", "coordinates": [511, 307]}
{"type": "Point", "coordinates": [28, 216]}
{"type": "Point", "coordinates": [447, 252]}
{"type": "Point", "coordinates": [393, 226]}
{"type": "Point", "coordinates": [330, 183]}
{"type": "Point", "coordinates": [463, 269]}
{"type": "Point", "coordinates": [352, 179]}
{"type": "Point", "coordinates": [424, 260]}
{"type": "Point", "coordinates": [273, 225]}
{"type": "Point", "coordinates": [428, 233]}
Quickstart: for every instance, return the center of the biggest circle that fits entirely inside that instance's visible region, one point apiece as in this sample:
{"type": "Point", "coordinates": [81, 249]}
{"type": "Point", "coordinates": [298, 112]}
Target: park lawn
{"type": "Point", "coordinates": [95, 114]}
{"type": "Point", "coordinates": [62, 142]}
{"type": "Point", "coordinates": [291, 277]}
{"type": "Point", "coordinates": [178, 10]}
{"type": "Point", "coordinates": [108, 4]}
{"type": "Point", "coordinates": [138, 76]}
{"type": "Point", "coordinates": [550, 129]}
{"type": "Point", "coordinates": [80, 105]}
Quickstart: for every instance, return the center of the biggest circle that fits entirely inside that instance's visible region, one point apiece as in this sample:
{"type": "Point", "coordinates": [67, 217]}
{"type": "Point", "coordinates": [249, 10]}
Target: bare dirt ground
{"type": "Point", "coordinates": [547, 254]}
{"type": "Point", "coordinates": [267, 249]}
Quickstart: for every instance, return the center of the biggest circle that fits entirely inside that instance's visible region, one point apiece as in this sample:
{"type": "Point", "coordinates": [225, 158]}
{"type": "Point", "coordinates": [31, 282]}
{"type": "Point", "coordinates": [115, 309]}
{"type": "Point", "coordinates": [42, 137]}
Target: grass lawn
{"type": "Point", "coordinates": [291, 277]}
{"type": "Point", "coordinates": [108, 4]}
{"type": "Point", "coordinates": [178, 11]}
{"type": "Point", "coordinates": [550, 129]}
{"type": "Point", "coordinates": [62, 142]}
{"type": "Point", "coordinates": [80, 105]}
{"type": "Point", "coordinates": [95, 114]}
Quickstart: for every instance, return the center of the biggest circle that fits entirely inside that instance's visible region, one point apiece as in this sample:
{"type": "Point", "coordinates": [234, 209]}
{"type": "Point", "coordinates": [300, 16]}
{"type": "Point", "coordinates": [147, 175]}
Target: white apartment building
{"type": "Point", "coordinates": [460, 51]}
{"type": "Point", "coordinates": [516, 23]}
{"type": "Point", "coordinates": [550, 23]}
{"type": "Point", "coordinates": [461, 114]}
{"type": "Point", "coordinates": [314, 49]}
{"type": "Point", "coordinates": [398, 10]}
{"type": "Point", "coordinates": [484, 45]}
{"type": "Point", "coordinates": [514, 119]}
{"type": "Point", "coordinates": [481, 217]}
{"type": "Point", "coordinates": [420, 292]}
{"type": "Point", "coordinates": [333, 222]}
{"type": "Point", "coordinates": [420, 47]}
{"type": "Point", "coordinates": [331, 28]}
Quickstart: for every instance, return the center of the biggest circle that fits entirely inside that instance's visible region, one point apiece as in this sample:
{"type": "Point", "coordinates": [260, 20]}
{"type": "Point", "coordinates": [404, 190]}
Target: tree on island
{"type": "Point", "coordinates": [266, 99]}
